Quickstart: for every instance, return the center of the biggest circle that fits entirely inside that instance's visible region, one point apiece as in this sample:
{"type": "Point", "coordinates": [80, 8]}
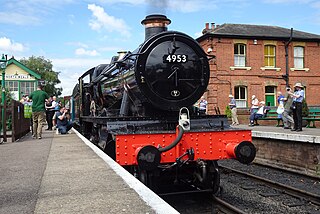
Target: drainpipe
{"type": "Point", "coordinates": [286, 76]}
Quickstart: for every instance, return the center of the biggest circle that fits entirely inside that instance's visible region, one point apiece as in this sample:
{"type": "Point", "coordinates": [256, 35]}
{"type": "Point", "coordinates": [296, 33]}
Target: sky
{"type": "Point", "coordinates": [76, 35]}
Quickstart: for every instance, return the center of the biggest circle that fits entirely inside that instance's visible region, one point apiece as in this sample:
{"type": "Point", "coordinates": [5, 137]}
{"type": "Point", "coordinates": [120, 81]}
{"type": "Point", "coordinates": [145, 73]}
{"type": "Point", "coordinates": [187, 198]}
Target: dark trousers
{"type": "Point", "coordinates": [297, 116]}
{"type": "Point", "coordinates": [49, 116]}
{"type": "Point", "coordinates": [255, 116]}
{"type": "Point", "coordinates": [63, 129]}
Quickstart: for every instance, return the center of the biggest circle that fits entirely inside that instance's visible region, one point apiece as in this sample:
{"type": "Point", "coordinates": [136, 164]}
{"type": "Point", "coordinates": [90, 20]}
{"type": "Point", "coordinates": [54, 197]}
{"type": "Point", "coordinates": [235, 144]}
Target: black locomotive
{"type": "Point", "coordinates": [139, 110]}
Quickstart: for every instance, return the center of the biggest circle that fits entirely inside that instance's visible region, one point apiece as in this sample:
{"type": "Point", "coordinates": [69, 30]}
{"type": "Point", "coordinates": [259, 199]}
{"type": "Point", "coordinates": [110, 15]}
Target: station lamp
{"type": "Point", "coordinates": [3, 65]}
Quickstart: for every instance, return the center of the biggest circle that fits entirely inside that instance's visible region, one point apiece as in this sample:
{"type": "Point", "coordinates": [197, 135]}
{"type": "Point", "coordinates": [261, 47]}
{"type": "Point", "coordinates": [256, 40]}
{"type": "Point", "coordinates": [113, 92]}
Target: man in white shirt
{"type": "Point", "coordinates": [262, 110]}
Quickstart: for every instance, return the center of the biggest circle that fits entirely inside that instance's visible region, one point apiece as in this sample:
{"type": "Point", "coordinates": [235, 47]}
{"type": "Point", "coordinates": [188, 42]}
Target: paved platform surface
{"type": "Point", "coordinates": [62, 174]}
{"type": "Point", "coordinates": [310, 135]}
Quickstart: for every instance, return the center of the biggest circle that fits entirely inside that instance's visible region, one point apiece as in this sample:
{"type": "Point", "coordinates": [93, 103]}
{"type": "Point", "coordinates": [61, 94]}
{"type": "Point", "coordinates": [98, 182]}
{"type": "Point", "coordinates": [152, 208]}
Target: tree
{"type": "Point", "coordinates": [44, 67]}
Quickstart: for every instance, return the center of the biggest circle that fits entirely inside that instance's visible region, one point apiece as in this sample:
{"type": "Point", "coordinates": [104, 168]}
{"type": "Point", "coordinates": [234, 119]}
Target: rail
{"type": "Point", "coordinates": [311, 197]}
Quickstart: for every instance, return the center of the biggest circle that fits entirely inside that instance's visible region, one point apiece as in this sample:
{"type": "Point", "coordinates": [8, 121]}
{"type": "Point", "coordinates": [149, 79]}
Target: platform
{"type": "Point", "coordinates": [64, 174]}
{"type": "Point", "coordinates": [296, 151]}
{"type": "Point", "coordinates": [310, 135]}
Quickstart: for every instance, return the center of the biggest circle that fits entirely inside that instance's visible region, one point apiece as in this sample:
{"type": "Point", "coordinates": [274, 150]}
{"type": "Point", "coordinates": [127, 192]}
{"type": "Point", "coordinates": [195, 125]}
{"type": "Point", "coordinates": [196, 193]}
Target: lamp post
{"type": "Point", "coordinates": [3, 65]}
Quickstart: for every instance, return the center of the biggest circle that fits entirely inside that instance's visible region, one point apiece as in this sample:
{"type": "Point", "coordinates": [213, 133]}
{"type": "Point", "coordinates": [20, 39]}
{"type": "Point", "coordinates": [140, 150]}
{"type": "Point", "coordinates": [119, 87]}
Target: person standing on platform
{"type": "Point", "coordinates": [49, 112]}
{"type": "Point", "coordinates": [203, 106]}
{"type": "Point", "coordinates": [254, 104]}
{"type": "Point", "coordinates": [39, 98]}
{"type": "Point", "coordinates": [233, 107]}
{"type": "Point", "coordinates": [287, 113]}
{"type": "Point", "coordinates": [280, 104]}
{"type": "Point", "coordinates": [298, 97]}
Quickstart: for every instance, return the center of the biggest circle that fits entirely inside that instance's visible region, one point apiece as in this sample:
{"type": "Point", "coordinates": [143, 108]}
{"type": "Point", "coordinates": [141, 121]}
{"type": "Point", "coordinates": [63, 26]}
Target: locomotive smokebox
{"type": "Point", "coordinates": [155, 24]}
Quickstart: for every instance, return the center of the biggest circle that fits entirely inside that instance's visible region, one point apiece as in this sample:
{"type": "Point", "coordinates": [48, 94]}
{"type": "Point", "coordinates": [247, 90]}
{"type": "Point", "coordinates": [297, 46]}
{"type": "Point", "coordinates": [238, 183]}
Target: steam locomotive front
{"type": "Point", "coordinates": [172, 70]}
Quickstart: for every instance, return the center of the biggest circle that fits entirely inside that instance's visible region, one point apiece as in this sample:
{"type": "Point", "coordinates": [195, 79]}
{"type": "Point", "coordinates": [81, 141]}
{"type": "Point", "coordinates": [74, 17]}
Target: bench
{"type": "Point", "coordinates": [272, 115]}
{"type": "Point", "coordinates": [314, 115]}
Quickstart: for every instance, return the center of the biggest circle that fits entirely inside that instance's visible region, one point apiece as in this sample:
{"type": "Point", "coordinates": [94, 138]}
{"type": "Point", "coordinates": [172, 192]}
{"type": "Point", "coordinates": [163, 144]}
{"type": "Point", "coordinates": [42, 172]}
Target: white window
{"type": "Point", "coordinates": [239, 55]}
{"type": "Point", "coordinates": [240, 95]}
{"type": "Point", "coordinates": [299, 57]}
{"type": "Point", "coordinates": [26, 88]}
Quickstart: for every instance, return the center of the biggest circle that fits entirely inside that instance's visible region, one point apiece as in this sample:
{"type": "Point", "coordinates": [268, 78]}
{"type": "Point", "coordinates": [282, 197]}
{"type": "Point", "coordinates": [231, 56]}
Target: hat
{"type": "Point", "coordinates": [262, 102]}
{"type": "Point", "coordinates": [253, 96]}
{"type": "Point", "coordinates": [298, 84]}
{"type": "Point", "coordinates": [230, 95]}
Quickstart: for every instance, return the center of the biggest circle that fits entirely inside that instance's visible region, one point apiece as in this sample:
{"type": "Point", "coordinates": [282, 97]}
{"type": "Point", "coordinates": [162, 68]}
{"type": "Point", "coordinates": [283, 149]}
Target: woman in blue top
{"type": "Point", "coordinates": [298, 97]}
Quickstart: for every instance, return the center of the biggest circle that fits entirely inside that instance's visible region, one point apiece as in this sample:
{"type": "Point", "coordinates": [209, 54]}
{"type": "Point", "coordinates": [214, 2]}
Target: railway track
{"type": "Point", "coordinates": [225, 207]}
{"type": "Point", "coordinates": [298, 193]}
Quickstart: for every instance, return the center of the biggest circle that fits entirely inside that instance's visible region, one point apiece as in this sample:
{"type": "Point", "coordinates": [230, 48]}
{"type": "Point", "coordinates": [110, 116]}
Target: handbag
{"type": "Point", "coordinates": [280, 109]}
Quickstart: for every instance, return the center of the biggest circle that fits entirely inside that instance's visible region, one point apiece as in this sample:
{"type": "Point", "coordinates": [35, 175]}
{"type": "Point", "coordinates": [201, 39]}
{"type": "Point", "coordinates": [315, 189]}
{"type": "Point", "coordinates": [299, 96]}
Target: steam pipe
{"type": "Point", "coordinates": [175, 142]}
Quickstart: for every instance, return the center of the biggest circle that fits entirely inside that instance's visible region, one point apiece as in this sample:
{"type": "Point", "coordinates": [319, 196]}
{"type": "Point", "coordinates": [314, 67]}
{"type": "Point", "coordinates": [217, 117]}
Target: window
{"type": "Point", "coordinates": [239, 55]}
{"type": "Point", "coordinates": [270, 56]}
{"type": "Point", "coordinates": [26, 88]}
{"type": "Point", "coordinates": [299, 57]}
{"type": "Point", "coordinates": [12, 85]}
{"type": "Point", "coordinates": [240, 95]}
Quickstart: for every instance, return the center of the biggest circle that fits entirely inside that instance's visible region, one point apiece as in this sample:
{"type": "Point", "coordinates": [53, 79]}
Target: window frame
{"type": "Point", "coordinates": [238, 57]}
{"type": "Point", "coordinates": [240, 100]}
{"type": "Point", "coordinates": [269, 55]}
{"type": "Point", "coordinates": [297, 57]}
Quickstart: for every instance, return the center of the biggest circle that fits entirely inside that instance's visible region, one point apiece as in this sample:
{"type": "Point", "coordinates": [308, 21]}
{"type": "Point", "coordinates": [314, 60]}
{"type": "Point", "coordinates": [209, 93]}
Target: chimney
{"type": "Point", "coordinates": [212, 26]}
{"type": "Point", "coordinates": [155, 24]}
{"type": "Point", "coordinates": [207, 26]}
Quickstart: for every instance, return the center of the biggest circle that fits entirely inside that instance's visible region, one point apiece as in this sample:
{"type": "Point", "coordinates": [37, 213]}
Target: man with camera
{"type": "Point", "coordinates": [63, 122]}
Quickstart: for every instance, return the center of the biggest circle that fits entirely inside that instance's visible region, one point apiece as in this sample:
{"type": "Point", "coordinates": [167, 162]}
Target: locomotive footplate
{"type": "Point", "coordinates": [142, 125]}
{"type": "Point", "coordinates": [207, 145]}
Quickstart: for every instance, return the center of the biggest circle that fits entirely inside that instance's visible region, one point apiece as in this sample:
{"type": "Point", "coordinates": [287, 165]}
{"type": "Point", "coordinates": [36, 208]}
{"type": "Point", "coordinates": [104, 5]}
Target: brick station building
{"type": "Point", "coordinates": [251, 60]}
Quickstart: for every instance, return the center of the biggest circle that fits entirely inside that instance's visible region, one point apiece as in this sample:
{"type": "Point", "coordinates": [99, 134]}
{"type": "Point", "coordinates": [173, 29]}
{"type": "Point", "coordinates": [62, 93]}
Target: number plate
{"type": "Point", "coordinates": [175, 58]}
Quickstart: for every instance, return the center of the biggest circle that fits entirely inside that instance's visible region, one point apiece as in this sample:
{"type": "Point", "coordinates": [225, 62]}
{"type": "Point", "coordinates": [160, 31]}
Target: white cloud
{"type": "Point", "coordinates": [72, 68]}
{"type": "Point", "coordinates": [82, 51]}
{"type": "Point", "coordinates": [183, 6]}
{"type": "Point", "coordinates": [198, 34]}
{"type": "Point", "coordinates": [28, 12]}
{"type": "Point", "coordinates": [133, 2]}
{"type": "Point", "coordinates": [104, 21]}
{"type": "Point", "coordinates": [190, 6]}
{"type": "Point", "coordinates": [19, 19]}
{"type": "Point", "coordinates": [7, 45]}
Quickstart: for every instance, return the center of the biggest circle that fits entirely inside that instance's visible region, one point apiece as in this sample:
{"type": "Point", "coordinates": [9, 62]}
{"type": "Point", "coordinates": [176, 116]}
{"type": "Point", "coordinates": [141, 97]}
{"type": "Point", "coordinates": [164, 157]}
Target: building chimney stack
{"type": "Point", "coordinates": [207, 26]}
{"type": "Point", "coordinates": [212, 26]}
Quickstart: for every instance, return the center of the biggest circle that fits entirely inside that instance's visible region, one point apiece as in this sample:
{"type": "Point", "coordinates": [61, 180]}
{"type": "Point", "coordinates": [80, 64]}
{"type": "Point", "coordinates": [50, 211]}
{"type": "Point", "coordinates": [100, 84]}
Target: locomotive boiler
{"type": "Point", "coordinates": [139, 110]}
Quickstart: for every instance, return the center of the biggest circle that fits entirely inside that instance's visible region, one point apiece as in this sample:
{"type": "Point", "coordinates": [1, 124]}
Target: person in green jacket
{"type": "Point", "coordinates": [38, 110]}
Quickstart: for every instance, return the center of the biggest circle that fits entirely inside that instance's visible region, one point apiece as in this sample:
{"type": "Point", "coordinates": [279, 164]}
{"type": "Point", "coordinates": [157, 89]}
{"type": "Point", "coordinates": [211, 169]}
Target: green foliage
{"type": "Point", "coordinates": [228, 112]}
{"type": "Point", "coordinates": [8, 96]}
{"type": "Point", "coordinates": [305, 108]}
{"type": "Point", "coordinates": [44, 67]}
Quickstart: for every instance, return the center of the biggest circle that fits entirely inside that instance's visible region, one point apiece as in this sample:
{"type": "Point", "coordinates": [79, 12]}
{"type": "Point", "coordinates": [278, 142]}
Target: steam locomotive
{"type": "Point", "coordinates": [139, 109]}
